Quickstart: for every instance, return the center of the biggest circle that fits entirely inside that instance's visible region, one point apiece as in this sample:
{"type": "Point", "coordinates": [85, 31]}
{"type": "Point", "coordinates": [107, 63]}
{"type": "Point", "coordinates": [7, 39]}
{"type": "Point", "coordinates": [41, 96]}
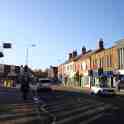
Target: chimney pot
{"type": "Point", "coordinates": [83, 50]}
{"type": "Point", "coordinates": [100, 44]}
{"type": "Point", "coordinates": [74, 54]}
{"type": "Point", "coordinates": [70, 56]}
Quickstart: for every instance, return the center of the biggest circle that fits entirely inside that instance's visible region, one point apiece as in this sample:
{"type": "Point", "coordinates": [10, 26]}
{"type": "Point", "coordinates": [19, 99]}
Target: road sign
{"type": "Point", "coordinates": [7, 45]}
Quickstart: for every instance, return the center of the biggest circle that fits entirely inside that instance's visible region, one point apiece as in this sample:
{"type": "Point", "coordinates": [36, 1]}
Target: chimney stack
{"type": "Point", "coordinates": [83, 50]}
{"type": "Point", "coordinates": [100, 44]}
{"type": "Point", "coordinates": [70, 56]}
{"type": "Point", "coordinates": [74, 53]}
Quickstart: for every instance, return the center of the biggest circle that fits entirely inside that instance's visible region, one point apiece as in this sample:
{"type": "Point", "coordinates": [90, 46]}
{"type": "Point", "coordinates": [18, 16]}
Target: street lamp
{"type": "Point", "coordinates": [27, 54]}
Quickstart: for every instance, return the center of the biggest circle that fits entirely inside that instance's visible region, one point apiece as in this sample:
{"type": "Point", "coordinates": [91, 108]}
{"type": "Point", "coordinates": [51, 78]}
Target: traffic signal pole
{"type": "Point", "coordinates": [27, 56]}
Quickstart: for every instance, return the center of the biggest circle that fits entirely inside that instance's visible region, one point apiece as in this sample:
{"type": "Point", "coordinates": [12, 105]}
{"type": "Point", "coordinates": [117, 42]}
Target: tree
{"type": "Point", "coordinates": [40, 74]}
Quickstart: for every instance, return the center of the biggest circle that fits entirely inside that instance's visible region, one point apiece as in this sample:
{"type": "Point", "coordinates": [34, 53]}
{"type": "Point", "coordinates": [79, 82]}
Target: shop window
{"type": "Point", "coordinates": [107, 61]}
{"type": "Point", "coordinates": [110, 60]}
{"type": "Point", "coordinates": [102, 61]}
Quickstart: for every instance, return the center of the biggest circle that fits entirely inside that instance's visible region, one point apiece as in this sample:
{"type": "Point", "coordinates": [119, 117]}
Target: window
{"type": "Point", "coordinates": [74, 67]}
{"type": "Point", "coordinates": [100, 63]}
{"type": "Point", "coordinates": [107, 61]}
{"type": "Point", "coordinates": [95, 61]}
{"type": "Point", "coordinates": [92, 63]}
{"type": "Point", "coordinates": [110, 60]}
{"type": "Point", "coordinates": [67, 68]}
{"type": "Point", "coordinates": [80, 66]}
{"type": "Point", "coordinates": [7, 68]}
{"type": "Point", "coordinates": [86, 67]}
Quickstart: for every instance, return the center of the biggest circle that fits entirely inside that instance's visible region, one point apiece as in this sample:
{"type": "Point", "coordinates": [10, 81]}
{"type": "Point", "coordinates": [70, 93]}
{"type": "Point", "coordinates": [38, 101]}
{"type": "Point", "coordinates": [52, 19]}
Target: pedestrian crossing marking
{"type": "Point", "coordinates": [20, 120]}
{"type": "Point", "coordinates": [67, 108]}
{"type": "Point", "coordinates": [93, 118]}
{"type": "Point", "coordinates": [63, 108]}
{"type": "Point", "coordinates": [80, 115]}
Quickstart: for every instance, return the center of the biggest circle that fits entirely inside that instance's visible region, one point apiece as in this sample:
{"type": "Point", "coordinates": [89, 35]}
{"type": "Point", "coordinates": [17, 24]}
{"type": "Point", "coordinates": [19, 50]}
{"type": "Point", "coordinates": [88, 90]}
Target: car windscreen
{"type": "Point", "coordinates": [104, 86]}
{"type": "Point", "coordinates": [46, 81]}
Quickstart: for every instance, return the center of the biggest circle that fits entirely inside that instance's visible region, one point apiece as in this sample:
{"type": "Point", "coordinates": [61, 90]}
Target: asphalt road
{"type": "Point", "coordinates": [12, 96]}
{"type": "Point", "coordinates": [78, 108]}
{"type": "Point", "coordinates": [62, 107]}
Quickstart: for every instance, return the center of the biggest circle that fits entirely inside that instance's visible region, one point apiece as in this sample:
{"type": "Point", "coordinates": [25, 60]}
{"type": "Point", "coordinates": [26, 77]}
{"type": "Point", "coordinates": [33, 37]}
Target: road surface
{"type": "Point", "coordinates": [62, 107]}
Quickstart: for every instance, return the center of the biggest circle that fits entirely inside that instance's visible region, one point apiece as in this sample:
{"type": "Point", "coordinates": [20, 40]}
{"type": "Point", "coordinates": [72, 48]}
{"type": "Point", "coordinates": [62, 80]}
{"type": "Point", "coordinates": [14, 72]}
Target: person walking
{"type": "Point", "coordinates": [25, 83]}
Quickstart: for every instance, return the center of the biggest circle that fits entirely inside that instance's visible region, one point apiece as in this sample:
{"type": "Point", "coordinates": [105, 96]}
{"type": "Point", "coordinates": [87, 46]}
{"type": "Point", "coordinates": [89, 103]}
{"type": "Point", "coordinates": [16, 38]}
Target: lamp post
{"type": "Point", "coordinates": [27, 54]}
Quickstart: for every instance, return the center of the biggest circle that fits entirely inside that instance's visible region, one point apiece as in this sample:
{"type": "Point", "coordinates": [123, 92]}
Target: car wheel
{"type": "Point", "coordinates": [92, 93]}
{"type": "Point", "coordinates": [99, 93]}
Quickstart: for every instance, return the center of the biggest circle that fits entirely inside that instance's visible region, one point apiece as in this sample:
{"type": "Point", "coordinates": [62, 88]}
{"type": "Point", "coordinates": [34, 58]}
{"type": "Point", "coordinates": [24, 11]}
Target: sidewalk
{"type": "Point", "coordinates": [121, 92]}
{"type": "Point", "coordinates": [71, 89]}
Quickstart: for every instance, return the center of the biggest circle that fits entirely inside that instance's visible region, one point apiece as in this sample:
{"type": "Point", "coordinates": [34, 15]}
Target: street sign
{"type": "Point", "coordinates": [7, 45]}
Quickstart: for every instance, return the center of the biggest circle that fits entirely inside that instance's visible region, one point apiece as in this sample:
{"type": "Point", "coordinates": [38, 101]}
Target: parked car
{"type": "Point", "coordinates": [44, 85]}
{"type": "Point", "coordinates": [102, 90]}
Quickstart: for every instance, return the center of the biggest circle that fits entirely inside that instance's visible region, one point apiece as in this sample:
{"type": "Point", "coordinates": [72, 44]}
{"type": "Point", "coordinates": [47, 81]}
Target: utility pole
{"type": "Point", "coordinates": [27, 54]}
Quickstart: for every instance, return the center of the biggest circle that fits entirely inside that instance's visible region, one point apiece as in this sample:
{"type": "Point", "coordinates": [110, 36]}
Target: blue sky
{"type": "Point", "coordinates": [57, 27]}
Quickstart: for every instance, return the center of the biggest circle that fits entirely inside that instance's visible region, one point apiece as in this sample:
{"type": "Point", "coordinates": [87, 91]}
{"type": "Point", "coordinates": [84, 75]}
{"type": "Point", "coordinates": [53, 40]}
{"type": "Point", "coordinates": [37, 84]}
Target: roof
{"type": "Point", "coordinates": [119, 41]}
{"type": "Point", "coordinates": [83, 56]}
{"type": "Point", "coordinates": [78, 57]}
{"type": "Point", "coordinates": [87, 54]}
{"type": "Point", "coordinates": [66, 62]}
{"type": "Point", "coordinates": [98, 50]}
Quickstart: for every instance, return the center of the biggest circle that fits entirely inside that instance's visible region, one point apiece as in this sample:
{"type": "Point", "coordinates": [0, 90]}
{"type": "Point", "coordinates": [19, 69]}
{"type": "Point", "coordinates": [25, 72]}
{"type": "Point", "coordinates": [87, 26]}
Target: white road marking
{"type": "Point", "coordinates": [83, 114]}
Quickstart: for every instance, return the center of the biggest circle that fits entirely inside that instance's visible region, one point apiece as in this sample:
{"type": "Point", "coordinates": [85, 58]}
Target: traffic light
{"type": "Point", "coordinates": [7, 45]}
{"type": "Point", "coordinates": [26, 68]}
{"type": "Point", "coordinates": [1, 54]}
{"type": "Point", "coordinates": [17, 69]}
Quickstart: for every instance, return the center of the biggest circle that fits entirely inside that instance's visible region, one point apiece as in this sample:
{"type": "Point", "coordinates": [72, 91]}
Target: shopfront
{"type": "Point", "coordinates": [106, 78]}
{"type": "Point", "coordinates": [8, 82]}
{"type": "Point", "coordinates": [86, 80]}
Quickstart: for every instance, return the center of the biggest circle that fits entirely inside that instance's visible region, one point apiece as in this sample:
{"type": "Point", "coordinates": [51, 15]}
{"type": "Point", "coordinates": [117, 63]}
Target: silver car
{"type": "Point", "coordinates": [44, 85]}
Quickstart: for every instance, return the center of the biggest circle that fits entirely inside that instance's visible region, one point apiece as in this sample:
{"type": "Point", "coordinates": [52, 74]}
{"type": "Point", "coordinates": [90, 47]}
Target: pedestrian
{"type": "Point", "coordinates": [25, 84]}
